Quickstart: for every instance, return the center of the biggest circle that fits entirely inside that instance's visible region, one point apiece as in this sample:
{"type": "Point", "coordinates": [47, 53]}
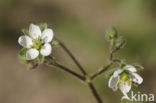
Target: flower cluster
{"type": "Point", "coordinates": [37, 43]}
{"type": "Point", "coordinates": [123, 78]}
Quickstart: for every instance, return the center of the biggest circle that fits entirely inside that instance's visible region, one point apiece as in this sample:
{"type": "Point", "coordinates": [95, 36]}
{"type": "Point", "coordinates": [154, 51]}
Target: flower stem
{"type": "Point", "coordinates": [94, 92]}
{"type": "Point", "coordinates": [85, 77]}
{"type": "Point", "coordinates": [66, 70]}
{"type": "Point", "coordinates": [114, 50]}
{"type": "Point", "coordinates": [72, 57]}
{"type": "Point", "coordinates": [101, 71]}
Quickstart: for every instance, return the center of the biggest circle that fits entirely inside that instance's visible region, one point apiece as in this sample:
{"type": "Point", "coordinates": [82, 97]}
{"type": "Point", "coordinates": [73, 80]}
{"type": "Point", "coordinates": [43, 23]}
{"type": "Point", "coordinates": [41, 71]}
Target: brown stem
{"type": "Point", "coordinates": [91, 86]}
{"type": "Point", "coordinates": [66, 70]}
{"type": "Point", "coordinates": [114, 50]}
{"type": "Point", "coordinates": [95, 94]}
{"type": "Point", "coordinates": [73, 58]}
{"type": "Point", "coordinates": [101, 71]}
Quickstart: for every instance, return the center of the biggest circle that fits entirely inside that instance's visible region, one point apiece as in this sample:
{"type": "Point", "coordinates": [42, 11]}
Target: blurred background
{"type": "Point", "coordinates": [81, 25]}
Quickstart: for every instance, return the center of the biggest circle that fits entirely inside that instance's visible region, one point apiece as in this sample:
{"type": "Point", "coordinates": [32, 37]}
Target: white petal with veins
{"type": "Point", "coordinates": [47, 35]}
{"type": "Point", "coordinates": [130, 68]}
{"type": "Point", "coordinates": [46, 49]}
{"type": "Point", "coordinates": [32, 54]}
{"type": "Point", "coordinates": [25, 41]}
{"type": "Point", "coordinates": [137, 78]}
{"type": "Point", "coordinates": [126, 87]}
{"type": "Point", "coordinates": [117, 72]}
{"type": "Point", "coordinates": [113, 81]}
{"type": "Point", "coordinates": [34, 31]}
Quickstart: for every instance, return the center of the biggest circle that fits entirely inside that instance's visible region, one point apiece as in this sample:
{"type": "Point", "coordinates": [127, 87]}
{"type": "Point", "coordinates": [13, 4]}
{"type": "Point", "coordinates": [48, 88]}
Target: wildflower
{"type": "Point", "coordinates": [123, 79]}
{"type": "Point", "coordinates": [37, 42]}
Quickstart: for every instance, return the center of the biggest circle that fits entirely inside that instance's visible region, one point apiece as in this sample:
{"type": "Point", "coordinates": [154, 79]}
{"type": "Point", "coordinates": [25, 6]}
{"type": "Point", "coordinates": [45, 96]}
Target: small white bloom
{"type": "Point", "coordinates": [37, 42]}
{"type": "Point", "coordinates": [123, 79]}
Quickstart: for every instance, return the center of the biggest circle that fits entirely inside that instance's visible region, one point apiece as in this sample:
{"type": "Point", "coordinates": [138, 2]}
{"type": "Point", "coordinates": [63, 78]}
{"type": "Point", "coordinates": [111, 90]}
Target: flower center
{"type": "Point", "coordinates": [37, 43]}
{"type": "Point", "coordinates": [124, 76]}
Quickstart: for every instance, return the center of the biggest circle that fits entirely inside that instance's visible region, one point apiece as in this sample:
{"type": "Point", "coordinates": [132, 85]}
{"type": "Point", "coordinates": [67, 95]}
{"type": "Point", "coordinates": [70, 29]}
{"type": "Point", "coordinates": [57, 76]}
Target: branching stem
{"type": "Point", "coordinates": [72, 57]}
{"type": "Point", "coordinates": [86, 76]}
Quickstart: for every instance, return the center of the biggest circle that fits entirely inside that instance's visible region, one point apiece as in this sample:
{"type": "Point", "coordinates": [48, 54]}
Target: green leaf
{"type": "Point", "coordinates": [43, 26]}
{"type": "Point", "coordinates": [138, 67]}
{"type": "Point", "coordinates": [22, 55]}
{"type": "Point", "coordinates": [25, 31]}
{"type": "Point", "coordinates": [54, 43]}
{"type": "Point", "coordinates": [41, 58]}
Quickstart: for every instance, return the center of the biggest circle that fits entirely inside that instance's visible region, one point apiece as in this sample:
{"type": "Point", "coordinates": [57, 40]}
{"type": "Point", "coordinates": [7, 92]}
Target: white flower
{"type": "Point", "coordinates": [37, 42]}
{"type": "Point", "coordinates": [123, 79]}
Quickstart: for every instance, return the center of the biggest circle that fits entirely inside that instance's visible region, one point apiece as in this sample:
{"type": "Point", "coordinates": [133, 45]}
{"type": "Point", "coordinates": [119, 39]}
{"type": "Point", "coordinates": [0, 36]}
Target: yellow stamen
{"type": "Point", "coordinates": [121, 84]}
{"type": "Point", "coordinates": [129, 83]}
{"type": "Point", "coordinates": [34, 34]}
{"type": "Point", "coordinates": [130, 79]}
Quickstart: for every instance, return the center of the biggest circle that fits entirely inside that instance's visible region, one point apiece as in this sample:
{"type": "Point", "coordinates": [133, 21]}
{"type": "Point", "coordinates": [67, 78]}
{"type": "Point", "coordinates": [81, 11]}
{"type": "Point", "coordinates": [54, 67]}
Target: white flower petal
{"type": "Point", "coordinates": [130, 68]}
{"type": "Point", "coordinates": [113, 81]}
{"type": "Point", "coordinates": [46, 49]}
{"type": "Point", "coordinates": [126, 87]}
{"type": "Point", "coordinates": [137, 78]}
{"type": "Point", "coordinates": [25, 41]}
{"type": "Point", "coordinates": [32, 54]}
{"type": "Point", "coordinates": [34, 31]}
{"type": "Point", "coordinates": [117, 72]}
{"type": "Point", "coordinates": [47, 35]}
{"type": "Point", "coordinates": [115, 88]}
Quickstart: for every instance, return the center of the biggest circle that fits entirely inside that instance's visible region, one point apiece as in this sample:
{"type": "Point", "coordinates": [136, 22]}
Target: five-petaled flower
{"type": "Point", "coordinates": [37, 42]}
{"type": "Point", "coordinates": [123, 79]}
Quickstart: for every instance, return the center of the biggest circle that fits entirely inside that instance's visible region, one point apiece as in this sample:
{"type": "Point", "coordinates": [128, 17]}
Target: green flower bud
{"type": "Point", "coordinates": [112, 33]}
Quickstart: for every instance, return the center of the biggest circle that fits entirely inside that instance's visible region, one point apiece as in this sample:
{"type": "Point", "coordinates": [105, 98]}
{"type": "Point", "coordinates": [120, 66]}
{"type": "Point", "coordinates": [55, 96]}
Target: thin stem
{"type": "Point", "coordinates": [114, 50]}
{"type": "Point", "coordinates": [101, 71]}
{"type": "Point", "coordinates": [70, 71]}
{"type": "Point", "coordinates": [72, 57]}
{"type": "Point", "coordinates": [90, 85]}
{"type": "Point", "coordinates": [96, 95]}
{"type": "Point", "coordinates": [66, 70]}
